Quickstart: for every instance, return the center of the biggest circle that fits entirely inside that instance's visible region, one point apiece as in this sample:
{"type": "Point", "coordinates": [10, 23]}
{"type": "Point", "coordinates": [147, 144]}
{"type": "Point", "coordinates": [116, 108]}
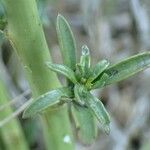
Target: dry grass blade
{"type": "Point", "coordinates": [15, 100]}
{"type": "Point", "coordinates": [16, 113]}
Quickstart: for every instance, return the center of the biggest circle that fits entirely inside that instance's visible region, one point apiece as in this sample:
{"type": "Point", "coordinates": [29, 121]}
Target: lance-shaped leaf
{"type": "Point", "coordinates": [98, 69]}
{"type": "Point", "coordinates": [127, 68]}
{"type": "Point", "coordinates": [85, 123]}
{"type": "Point", "coordinates": [64, 70]}
{"type": "Point", "coordinates": [85, 60]}
{"type": "Point", "coordinates": [46, 100]}
{"type": "Point", "coordinates": [98, 109]}
{"type": "Point", "coordinates": [66, 42]}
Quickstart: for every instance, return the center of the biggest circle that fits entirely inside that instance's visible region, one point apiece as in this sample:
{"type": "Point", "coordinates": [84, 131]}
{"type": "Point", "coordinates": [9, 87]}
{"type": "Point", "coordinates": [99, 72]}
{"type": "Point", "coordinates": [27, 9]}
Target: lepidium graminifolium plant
{"type": "Point", "coordinates": [82, 78]}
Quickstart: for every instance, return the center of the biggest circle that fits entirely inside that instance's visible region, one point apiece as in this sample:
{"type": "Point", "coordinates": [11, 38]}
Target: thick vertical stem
{"type": "Point", "coordinates": [25, 32]}
{"type": "Point", "coordinates": [26, 35]}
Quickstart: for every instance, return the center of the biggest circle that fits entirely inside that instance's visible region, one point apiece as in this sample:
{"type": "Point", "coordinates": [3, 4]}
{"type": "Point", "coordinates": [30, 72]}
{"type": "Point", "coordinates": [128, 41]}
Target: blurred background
{"type": "Point", "coordinates": [112, 29]}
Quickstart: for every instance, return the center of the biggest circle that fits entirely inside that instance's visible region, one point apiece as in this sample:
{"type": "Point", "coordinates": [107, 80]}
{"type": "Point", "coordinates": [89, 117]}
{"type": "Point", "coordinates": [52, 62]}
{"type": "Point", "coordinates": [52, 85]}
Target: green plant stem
{"type": "Point", "coordinates": [11, 134]}
{"type": "Point", "coordinates": [25, 33]}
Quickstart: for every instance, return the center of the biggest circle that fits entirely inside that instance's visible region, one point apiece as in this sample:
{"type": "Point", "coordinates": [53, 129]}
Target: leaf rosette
{"type": "Point", "coordinates": [81, 79]}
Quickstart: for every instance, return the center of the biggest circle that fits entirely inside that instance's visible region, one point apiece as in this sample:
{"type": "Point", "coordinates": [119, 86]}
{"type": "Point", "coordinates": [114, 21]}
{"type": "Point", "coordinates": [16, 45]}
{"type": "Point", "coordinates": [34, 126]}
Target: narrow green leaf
{"type": "Point", "coordinates": [64, 70]}
{"type": "Point", "coordinates": [99, 111]}
{"type": "Point", "coordinates": [127, 68]}
{"type": "Point", "coordinates": [98, 69]}
{"type": "Point", "coordinates": [101, 82]}
{"type": "Point", "coordinates": [85, 123]}
{"type": "Point", "coordinates": [85, 61]}
{"type": "Point", "coordinates": [66, 42]}
{"type": "Point", "coordinates": [46, 100]}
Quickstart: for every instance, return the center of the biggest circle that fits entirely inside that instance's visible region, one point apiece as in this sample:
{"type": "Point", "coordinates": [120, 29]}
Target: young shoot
{"type": "Point", "coordinates": [82, 78]}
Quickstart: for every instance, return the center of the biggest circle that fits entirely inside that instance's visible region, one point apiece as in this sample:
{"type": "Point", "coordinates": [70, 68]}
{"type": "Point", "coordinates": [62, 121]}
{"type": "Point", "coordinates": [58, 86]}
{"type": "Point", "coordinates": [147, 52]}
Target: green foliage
{"type": "Point", "coordinates": [85, 107]}
{"type": "Point", "coordinates": [3, 21]}
{"type": "Point", "coordinates": [25, 33]}
{"type": "Point", "coordinates": [98, 109]}
{"type": "Point", "coordinates": [66, 42]}
{"type": "Point", "coordinates": [46, 100]}
{"type": "Point", "coordinates": [85, 61]}
{"type": "Point", "coordinates": [85, 122]}
{"type": "Point", "coordinates": [66, 71]}
{"type": "Point", "coordinates": [128, 67]}
{"type": "Point", "coordinates": [98, 69]}
{"type": "Point", "coordinates": [100, 83]}
{"type": "Point", "coordinates": [12, 135]}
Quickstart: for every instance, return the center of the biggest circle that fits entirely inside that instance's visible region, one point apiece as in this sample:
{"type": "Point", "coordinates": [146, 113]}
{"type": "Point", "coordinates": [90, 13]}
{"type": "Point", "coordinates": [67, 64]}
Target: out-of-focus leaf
{"type": "Point", "coordinates": [43, 13]}
{"type": "Point", "coordinates": [85, 123]}
{"type": "Point", "coordinates": [46, 100]}
{"type": "Point", "coordinates": [98, 109]}
{"type": "Point", "coordinates": [66, 42]}
{"type": "Point", "coordinates": [85, 61]}
{"type": "Point", "coordinates": [127, 68]}
{"type": "Point", "coordinates": [64, 70]}
{"type": "Point", "coordinates": [98, 69]}
{"type": "Point", "coordinates": [145, 144]}
{"type": "Point", "coordinates": [3, 20]}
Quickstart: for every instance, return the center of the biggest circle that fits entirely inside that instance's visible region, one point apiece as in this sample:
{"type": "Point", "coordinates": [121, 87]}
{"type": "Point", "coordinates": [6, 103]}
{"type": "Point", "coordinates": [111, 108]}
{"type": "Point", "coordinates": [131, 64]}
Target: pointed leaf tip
{"type": "Point", "coordinates": [127, 68]}
{"type": "Point", "coordinates": [85, 61]}
{"type": "Point", "coordinates": [64, 70]}
{"type": "Point", "coordinates": [59, 16]}
{"type": "Point", "coordinates": [85, 50]}
{"type": "Point", "coordinates": [66, 42]}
